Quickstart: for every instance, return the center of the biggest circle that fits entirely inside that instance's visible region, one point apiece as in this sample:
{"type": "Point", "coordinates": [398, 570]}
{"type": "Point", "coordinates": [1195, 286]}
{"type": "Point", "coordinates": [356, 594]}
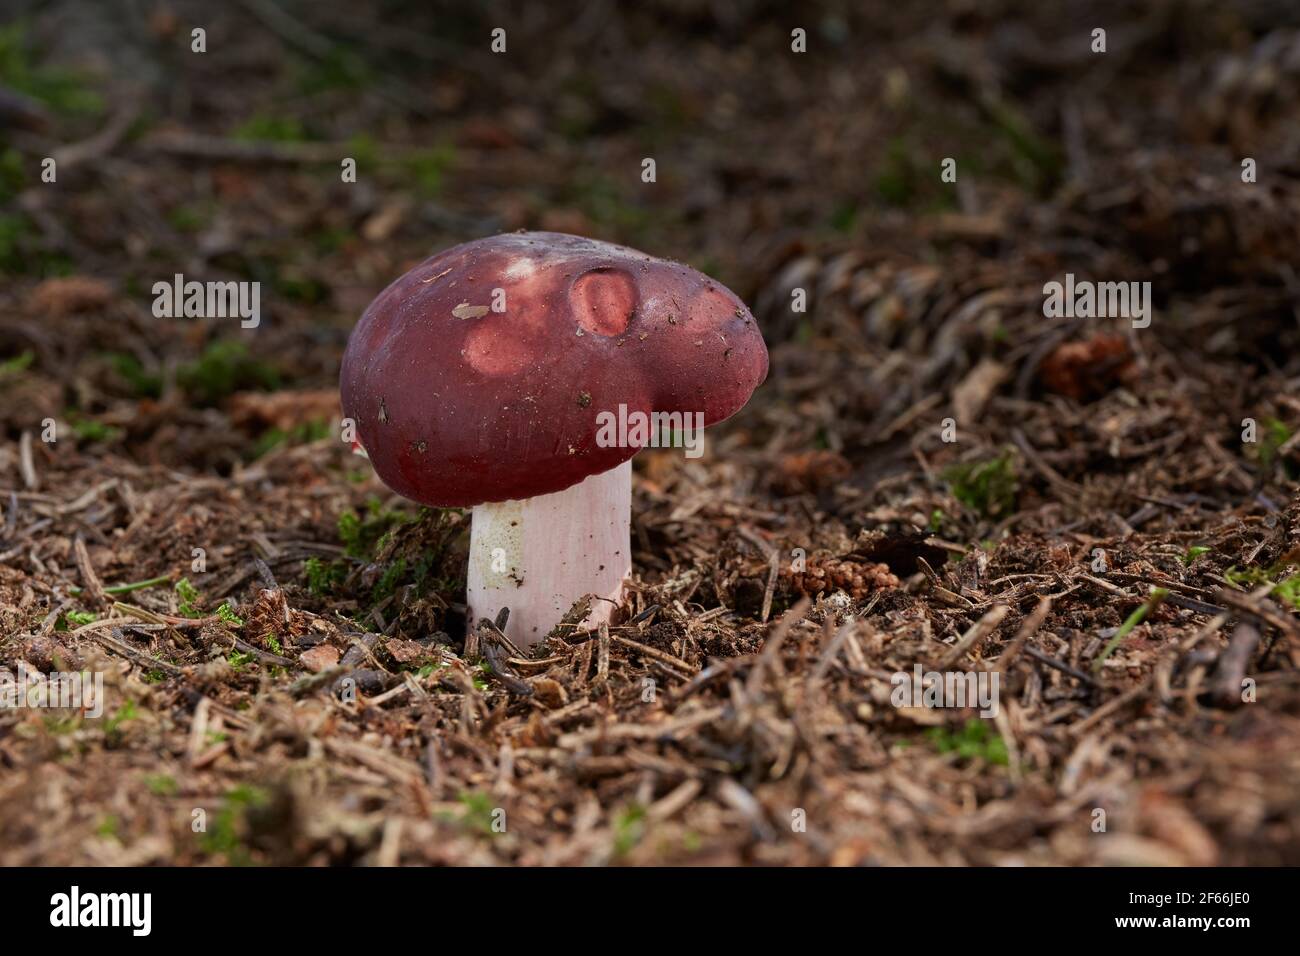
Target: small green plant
{"type": "Point", "coordinates": [988, 487]}
{"type": "Point", "coordinates": [389, 581]}
{"type": "Point", "coordinates": [81, 618]}
{"type": "Point", "coordinates": [225, 367]}
{"type": "Point", "coordinates": [427, 168]}
{"type": "Point", "coordinates": [128, 588]}
{"type": "Point", "coordinates": [275, 129]}
{"type": "Point", "coordinates": [226, 834]}
{"type": "Point", "coordinates": [337, 69]}
{"type": "Point", "coordinates": [60, 725]}
{"type": "Point", "coordinates": [189, 599]}
{"type": "Point", "coordinates": [323, 576]}
{"type": "Point", "coordinates": [12, 175]}
{"type": "Point", "coordinates": [899, 179]}
{"type": "Point", "coordinates": [1288, 591]}
{"type": "Point", "coordinates": [124, 713]}
{"type": "Point", "coordinates": [973, 740]}
{"type": "Point", "coordinates": [362, 534]}
{"type": "Point", "coordinates": [1276, 434]}
{"type": "Point", "coordinates": [61, 90]}
{"type": "Point", "coordinates": [302, 434]}
{"type": "Point", "coordinates": [161, 784]}
{"type": "Point", "coordinates": [273, 642]}
{"type": "Point", "coordinates": [238, 660]}
{"type": "Point", "coordinates": [15, 366]}
{"type": "Point", "coordinates": [141, 383]}
{"type": "Point", "coordinates": [1194, 552]}
{"type": "Point", "coordinates": [191, 217]}
{"type": "Point", "coordinates": [228, 616]}
{"type": "Point", "coordinates": [629, 828]}
{"type": "Point", "coordinates": [91, 430]}
{"type": "Point", "coordinates": [1139, 615]}
{"type": "Point", "coordinates": [1247, 578]}
{"type": "Point", "coordinates": [479, 813]}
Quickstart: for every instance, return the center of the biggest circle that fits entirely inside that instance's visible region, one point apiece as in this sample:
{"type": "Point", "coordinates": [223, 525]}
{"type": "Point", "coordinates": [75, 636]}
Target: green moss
{"type": "Point", "coordinates": [898, 180]}
{"type": "Point", "coordinates": [844, 217]}
{"type": "Point", "coordinates": [15, 366]}
{"type": "Point", "coordinates": [161, 784]}
{"type": "Point", "coordinates": [13, 175]}
{"type": "Point", "coordinates": [973, 741]}
{"type": "Point", "coordinates": [361, 534]}
{"type": "Point", "coordinates": [629, 828]}
{"type": "Point", "coordinates": [323, 577]}
{"type": "Point", "coordinates": [91, 430]}
{"type": "Point", "coordinates": [339, 69]}
{"type": "Point", "coordinates": [225, 367]}
{"type": "Point", "coordinates": [988, 487]}
{"type": "Point", "coordinates": [478, 812]}
{"type": "Point", "coordinates": [302, 434]}
{"type": "Point", "coordinates": [1288, 591]}
{"type": "Point", "coordinates": [426, 169]}
{"type": "Point", "coordinates": [276, 129]}
{"type": "Point", "coordinates": [141, 383]}
{"type": "Point", "coordinates": [226, 835]}
{"type": "Point", "coordinates": [22, 253]}
{"type": "Point", "coordinates": [191, 217]}
{"type": "Point", "coordinates": [124, 713]}
{"type": "Point", "coordinates": [189, 598]}
{"type": "Point", "coordinates": [1276, 434]}
{"type": "Point", "coordinates": [63, 91]}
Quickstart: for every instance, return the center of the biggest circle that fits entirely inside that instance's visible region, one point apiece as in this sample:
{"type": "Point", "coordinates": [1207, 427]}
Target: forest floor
{"type": "Point", "coordinates": [937, 472]}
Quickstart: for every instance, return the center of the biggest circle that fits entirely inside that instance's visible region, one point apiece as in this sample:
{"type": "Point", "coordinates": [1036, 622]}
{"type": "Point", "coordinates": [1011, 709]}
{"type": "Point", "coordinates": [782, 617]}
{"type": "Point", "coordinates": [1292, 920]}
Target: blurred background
{"type": "Point", "coordinates": [776, 171]}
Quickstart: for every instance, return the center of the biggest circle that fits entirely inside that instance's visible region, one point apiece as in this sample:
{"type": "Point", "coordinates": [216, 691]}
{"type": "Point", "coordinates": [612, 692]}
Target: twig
{"type": "Point", "coordinates": [971, 639]}
{"type": "Point", "coordinates": [1028, 628]}
{"type": "Point", "coordinates": [93, 589]}
{"type": "Point", "coordinates": [128, 588]}
{"type": "Point", "coordinates": [25, 463]}
{"type": "Point", "coordinates": [264, 656]}
{"type": "Point", "coordinates": [602, 656]}
{"type": "Point", "coordinates": [115, 643]}
{"type": "Point", "coordinates": [675, 662]}
{"type": "Point", "coordinates": [101, 144]}
{"type": "Point", "coordinates": [769, 657]}
{"type": "Point", "coordinates": [1061, 666]}
{"type": "Point", "coordinates": [1232, 665]}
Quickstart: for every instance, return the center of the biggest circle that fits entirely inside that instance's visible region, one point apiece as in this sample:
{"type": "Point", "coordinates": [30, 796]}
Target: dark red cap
{"type": "Point", "coordinates": [457, 404]}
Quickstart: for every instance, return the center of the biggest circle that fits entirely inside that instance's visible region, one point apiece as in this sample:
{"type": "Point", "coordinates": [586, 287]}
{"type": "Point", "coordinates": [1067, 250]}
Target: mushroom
{"type": "Point", "coordinates": [518, 375]}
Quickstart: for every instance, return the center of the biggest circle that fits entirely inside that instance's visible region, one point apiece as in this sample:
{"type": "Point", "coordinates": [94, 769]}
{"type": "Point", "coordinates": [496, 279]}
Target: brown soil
{"type": "Point", "coordinates": [935, 472]}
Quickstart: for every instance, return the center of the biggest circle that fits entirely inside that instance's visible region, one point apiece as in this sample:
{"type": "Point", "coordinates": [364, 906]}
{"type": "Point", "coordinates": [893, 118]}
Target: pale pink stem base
{"type": "Point", "coordinates": [538, 556]}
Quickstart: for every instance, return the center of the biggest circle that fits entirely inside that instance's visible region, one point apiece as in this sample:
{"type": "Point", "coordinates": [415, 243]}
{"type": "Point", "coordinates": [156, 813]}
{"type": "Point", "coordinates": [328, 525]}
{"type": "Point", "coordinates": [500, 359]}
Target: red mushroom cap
{"type": "Point", "coordinates": [457, 404]}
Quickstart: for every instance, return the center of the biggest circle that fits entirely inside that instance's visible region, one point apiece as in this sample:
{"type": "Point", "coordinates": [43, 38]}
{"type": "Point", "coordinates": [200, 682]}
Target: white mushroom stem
{"type": "Point", "coordinates": [541, 555]}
